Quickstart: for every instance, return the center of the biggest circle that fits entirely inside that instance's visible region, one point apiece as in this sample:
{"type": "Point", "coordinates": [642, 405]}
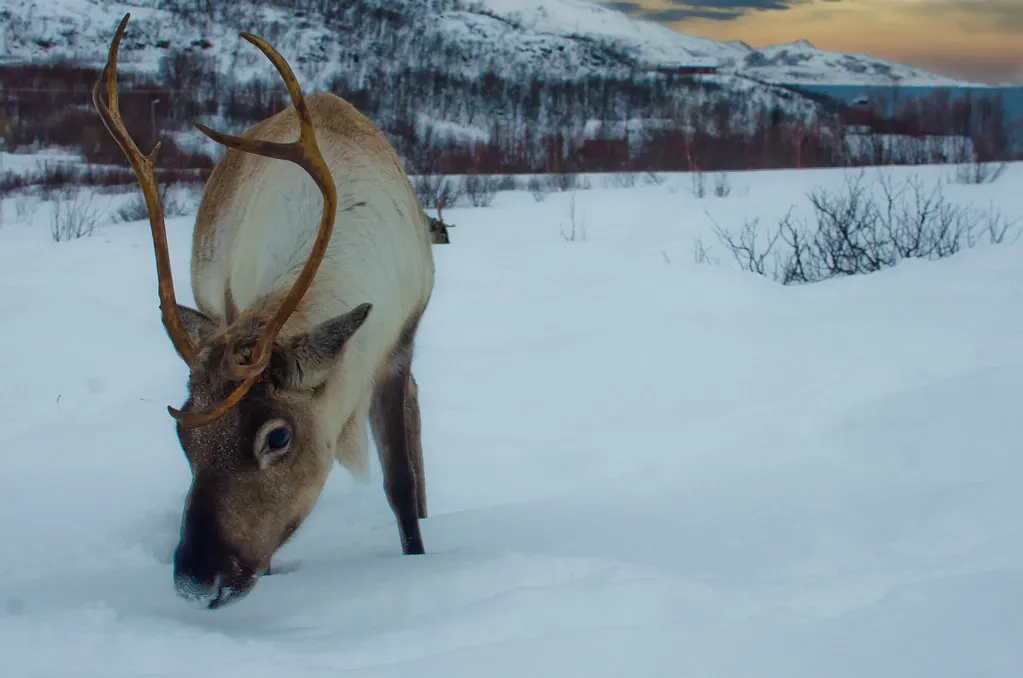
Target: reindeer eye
{"type": "Point", "coordinates": [271, 441]}
{"type": "Point", "coordinates": [278, 438]}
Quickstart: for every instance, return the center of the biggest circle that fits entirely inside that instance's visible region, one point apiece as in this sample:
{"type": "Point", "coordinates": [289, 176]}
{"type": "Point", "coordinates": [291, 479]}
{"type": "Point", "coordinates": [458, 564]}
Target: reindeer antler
{"type": "Point", "coordinates": [304, 152]}
{"type": "Point", "coordinates": [144, 167]}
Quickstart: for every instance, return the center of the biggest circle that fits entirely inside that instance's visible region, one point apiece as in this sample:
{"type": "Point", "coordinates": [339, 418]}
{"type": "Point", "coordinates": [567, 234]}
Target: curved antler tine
{"type": "Point", "coordinates": [302, 149]}
{"type": "Point", "coordinates": [271, 149]}
{"type": "Point", "coordinates": [197, 419]}
{"type": "Point", "coordinates": [111, 82]}
{"type": "Point", "coordinates": [290, 81]}
{"type": "Point", "coordinates": [264, 345]}
{"type": "Point", "coordinates": [144, 167]}
{"type": "Point", "coordinates": [304, 152]}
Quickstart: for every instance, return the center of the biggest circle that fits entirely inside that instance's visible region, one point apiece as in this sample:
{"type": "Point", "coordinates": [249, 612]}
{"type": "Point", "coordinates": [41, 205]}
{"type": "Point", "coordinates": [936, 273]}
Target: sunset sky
{"type": "Point", "coordinates": [980, 40]}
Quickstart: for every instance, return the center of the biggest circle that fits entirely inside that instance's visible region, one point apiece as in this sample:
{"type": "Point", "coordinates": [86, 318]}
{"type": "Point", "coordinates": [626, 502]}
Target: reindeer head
{"type": "Point", "coordinates": [438, 227]}
{"type": "Point", "coordinates": [249, 426]}
{"type": "Point", "coordinates": [258, 469]}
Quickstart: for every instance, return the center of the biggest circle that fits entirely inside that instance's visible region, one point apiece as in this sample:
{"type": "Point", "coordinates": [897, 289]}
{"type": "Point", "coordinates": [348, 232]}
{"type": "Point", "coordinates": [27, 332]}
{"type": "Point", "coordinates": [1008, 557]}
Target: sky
{"type": "Point", "coordinates": [979, 40]}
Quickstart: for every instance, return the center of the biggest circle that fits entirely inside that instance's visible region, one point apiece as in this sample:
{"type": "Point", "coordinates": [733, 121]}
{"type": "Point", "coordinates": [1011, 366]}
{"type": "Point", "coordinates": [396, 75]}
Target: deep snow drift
{"type": "Point", "coordinates": [637, 465]}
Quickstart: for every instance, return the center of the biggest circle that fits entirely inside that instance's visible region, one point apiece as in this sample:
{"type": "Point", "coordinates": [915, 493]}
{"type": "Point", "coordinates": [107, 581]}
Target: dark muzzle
{"type": "Point", "coordinates": [206, 572]}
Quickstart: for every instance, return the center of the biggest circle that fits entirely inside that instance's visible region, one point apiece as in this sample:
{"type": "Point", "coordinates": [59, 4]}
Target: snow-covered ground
{"type": "Point", "coordinates": [637, 465]}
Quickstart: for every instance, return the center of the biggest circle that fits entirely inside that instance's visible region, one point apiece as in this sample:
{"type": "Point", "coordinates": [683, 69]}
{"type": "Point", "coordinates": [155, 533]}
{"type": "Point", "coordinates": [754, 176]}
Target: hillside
{"type": "Point", "coordinates": [560, 39]}
{"type": "Point", "coordinates": [492, 86]}
{"type": "Point", "coordinates": [440, 77]}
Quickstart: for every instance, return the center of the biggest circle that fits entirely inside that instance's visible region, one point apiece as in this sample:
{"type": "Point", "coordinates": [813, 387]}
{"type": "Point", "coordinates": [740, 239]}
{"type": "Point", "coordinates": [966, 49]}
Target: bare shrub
{"type": "Point", "coordinates": [748, 253]}
{"type": "Point", "coordinates": [538, 188]}
{"type": "Point", "coordinates": [977, 172]}
{"type": "Point", "coordinates": [701, 253]}
{"type": "Point", "coordinates": [568, 181]}
{"type": "Point", "coordinates": [576, 228]}
{"type": "Point", "coordinates": [49, 177]}
{"type": "Point", "coordinates": [698, 184]}
{"type": "Point", "coordinates": [434, 190]}
{"type": "Point", "coordinates": [722, 186]}
{"type": "Point", "coordinates": [25, 208]}
{"type": "Point", "coordinates": [135, 209]}
{"type": "Point", "coordinates": [563, 181]}
{"type": "Point", "coordinates": [858, 231]}
{"type": "Point", "coordinates": [653, 179]}
{"type": "Point", "coordinates": [481, 189]}
{"type": "Point", "coordinates": [991, 225]}
{"type": "Point", "coordinates": [75, 214]}
{"type": "Point", "coordinates": [620, 180]}
{"type": "Point", "coordinates": [850, 235]}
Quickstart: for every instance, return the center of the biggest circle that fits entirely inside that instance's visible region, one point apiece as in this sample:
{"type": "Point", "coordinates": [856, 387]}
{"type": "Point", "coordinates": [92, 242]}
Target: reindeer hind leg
{"type": "Point", "coordinates": [398, 450]}
{"type": "Point", "coordinates": [413, 432]}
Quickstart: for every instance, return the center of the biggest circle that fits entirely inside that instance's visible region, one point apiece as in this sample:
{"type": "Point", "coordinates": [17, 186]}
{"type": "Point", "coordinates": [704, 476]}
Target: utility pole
{"type": "Point", "coordinates": [152, 119]}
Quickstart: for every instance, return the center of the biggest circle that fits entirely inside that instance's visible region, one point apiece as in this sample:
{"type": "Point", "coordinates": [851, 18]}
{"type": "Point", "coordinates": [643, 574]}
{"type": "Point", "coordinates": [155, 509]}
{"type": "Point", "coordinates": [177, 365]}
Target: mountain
{"type": "Point", "coordinates": [794, 63]}
{"type": "Point", "coordinates": [801, 63]}
{"type": "Point", "coordinates": [659, 46]}
{"type": "Point", "coordinates": [457, 85]}
{"type": "Point", "coordinates": [556, 39]}
{"type": "Point", "coordinates": [444, 67]}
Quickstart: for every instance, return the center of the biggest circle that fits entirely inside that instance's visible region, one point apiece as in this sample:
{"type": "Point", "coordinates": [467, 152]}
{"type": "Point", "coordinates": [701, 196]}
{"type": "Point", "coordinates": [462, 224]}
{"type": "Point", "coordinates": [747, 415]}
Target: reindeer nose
{"type": "Point", "coordinates": [201, 562]}
{"type": "Point", "coordinates": [207, 574]}
{"type": "Point", "coordinates": [197, 574]}
{"type": "Point", "coordinates": [207, 582]}
{"type": "Point", "coordinates": [196, 592]}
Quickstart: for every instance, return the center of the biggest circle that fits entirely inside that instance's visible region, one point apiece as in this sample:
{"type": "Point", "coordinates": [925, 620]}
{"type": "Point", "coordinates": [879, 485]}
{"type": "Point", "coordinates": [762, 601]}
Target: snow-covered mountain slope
{"type": "Point", "coordinates": [558, 39]}
{"type": "Point", "coordinates": [800, 62]}
{"type": "Point", "coordinates": [648, 42]}
{"type": "Point", "coordinates": [794, 63]}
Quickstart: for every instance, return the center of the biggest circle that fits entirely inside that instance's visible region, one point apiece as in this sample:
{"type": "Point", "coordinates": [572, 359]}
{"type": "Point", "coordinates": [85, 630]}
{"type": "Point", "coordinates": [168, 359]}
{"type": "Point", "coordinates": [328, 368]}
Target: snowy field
{"type": "Point", "coordinates": [638, 464]}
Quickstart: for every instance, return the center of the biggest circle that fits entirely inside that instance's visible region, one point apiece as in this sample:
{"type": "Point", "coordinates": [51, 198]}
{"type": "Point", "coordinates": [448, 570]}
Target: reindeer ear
{"type": "Point", "coordinates": [197, 324]}
{"type": "Point", "coordinates": [304, 359]}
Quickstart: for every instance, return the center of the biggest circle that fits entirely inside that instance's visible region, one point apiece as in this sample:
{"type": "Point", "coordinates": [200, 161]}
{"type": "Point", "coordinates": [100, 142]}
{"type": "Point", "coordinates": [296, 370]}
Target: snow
{"type": "Point", "coordinates": [26, 163]}
{"type": "Point", "coordinates": [800, 62]}
{"type": "Point", "coordinates": [555, 38]}
{"type": "Point", "coordinates": [636, 464]}
{"type": "Point", "coordinates": [657, 44]}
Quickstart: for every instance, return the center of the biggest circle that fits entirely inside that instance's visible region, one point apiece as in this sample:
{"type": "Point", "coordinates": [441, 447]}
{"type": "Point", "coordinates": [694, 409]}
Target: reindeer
{"type": "Point", "coordinates": [300, 336]}
{"type": "Point", "coordinates": [438, 227]}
